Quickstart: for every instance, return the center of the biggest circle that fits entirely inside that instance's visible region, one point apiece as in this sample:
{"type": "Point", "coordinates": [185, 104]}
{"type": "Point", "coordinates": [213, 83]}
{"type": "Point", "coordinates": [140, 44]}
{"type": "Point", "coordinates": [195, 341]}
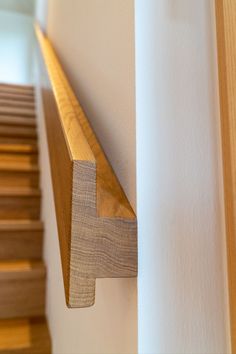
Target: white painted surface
{"type": "Point", "coordinates": [182, 280]}
{"type": "Point", "coordinates": [95, 40]}
{"type": "Point", "coordinates": [16, 44]}
{"type": "Point", "coordinates": [22, 6]}
{"type": "Point", "coordinates": [41, 12]}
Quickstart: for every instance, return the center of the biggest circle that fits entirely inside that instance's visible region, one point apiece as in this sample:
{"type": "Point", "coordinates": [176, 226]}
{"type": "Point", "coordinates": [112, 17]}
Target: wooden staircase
{"type": "Point", "coordinates": [23, 328]}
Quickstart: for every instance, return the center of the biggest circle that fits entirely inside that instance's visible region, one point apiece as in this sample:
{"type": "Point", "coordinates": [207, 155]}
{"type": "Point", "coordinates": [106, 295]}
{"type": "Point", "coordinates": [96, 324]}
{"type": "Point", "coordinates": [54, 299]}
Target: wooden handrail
{"type": "Point", "coordinates": [97, 227]}
{"type": "Point", "coordinates": [226, 40]}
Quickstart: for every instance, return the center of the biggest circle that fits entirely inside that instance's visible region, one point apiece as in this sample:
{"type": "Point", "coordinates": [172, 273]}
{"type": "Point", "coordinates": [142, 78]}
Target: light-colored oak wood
{"type": "Point", "coordinates": [22, 285]}
{"type": "Point", "coordinates": [226, 37]}
{"type": "Point", "coordinates": [97, 226]}
{"type": "Point", "coordinates": [24, 336]}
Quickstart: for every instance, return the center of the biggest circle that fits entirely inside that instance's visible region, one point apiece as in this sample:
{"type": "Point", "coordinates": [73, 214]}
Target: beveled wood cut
{"type": "Point", "coordinates": [226, 37]}
{"type": "Point", "coordinates": [96, 224]}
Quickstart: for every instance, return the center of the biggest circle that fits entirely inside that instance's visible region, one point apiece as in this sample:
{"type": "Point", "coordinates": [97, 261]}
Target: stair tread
{"type": "Point", "coordinates": [20, 89]}
{"type": "Point", "coordinates": [19, 225]}
{"type": "Point", "coordinates": [18, 148]}
{"type": "Point", "coordinates": [15, 111]}
{"type": "Point", "coordinates": [15, 103]}
{"type": "Point", "coordinates": [16, 161]}
{"type": "Point", "coordinates": [18, 167]}
{"type": "Point", "coordinates": [11, 140]}
{"type": "Point", "coordinates": [24, 336]}
{"type": "Point", "coordinates": [23, 266]}
{"type": "Point", "coordinates": [14, 120]}
{"type": "Point", "coordinates": [23, 191]}
{"type": "Point", "coordinates": [16, 96]}
{"type": "Point", "coordinates": [17, 131]}
{"type": "Point", "coordinates": [21, 86]}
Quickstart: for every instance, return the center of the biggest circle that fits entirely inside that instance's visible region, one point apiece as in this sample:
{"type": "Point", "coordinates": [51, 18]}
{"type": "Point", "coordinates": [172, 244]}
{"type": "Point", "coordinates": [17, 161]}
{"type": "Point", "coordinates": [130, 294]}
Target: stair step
{"type": "Point", "coordinates": [26, 161]}
{"type": "Point", "coordinates": [17, 89]}
{"type": "Point", "coordinates": [16, 96]}
{"type": "Point", "coordinates": [17, 131]}
{"type": "Point", "coordinates": [18, 173]}
{"type": "Point", "coordinates": [6, 140]}
{"type": "Point", "coordinates": [20, 239]}
{"type": "Point", "coordinates": [16, 103]}
{"type": "Point", "coordinates": [11, 120]}
{"type": "Point", "coordinates": [19, 203]}
{"type": "Point", "coordinates": [24, 336]}
{"type": "Point", "coordinates": [19, 148]}
{"type": "Point", "coordinates": [22, 285]}
{"type": "Point", "coordinates": [15, 111]}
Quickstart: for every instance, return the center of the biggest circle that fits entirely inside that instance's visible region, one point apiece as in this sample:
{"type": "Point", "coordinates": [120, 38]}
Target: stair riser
{"type": "Point", "coordinates": [19, 179]}
{"type": "Point", "coordinates": [19, 245]}
{"type": "Point", "coordinates": [22, 298]}
{"type": "Point", "coordinates": [16, 103]}
{"type": "Point", "coordinates": [17, 131]}
{"type": "Point", "coordinates": [19, 207]}
{"type": "Point", "coordinates": [20, 112]}
{"type": "Point", "coordinates": [17, 121]}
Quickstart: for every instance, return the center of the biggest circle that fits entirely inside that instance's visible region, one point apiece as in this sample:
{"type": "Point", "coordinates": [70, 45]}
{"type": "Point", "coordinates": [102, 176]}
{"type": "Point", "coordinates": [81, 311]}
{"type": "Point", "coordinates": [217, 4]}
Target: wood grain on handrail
{"type": "Point", "coordinates": [226, 39]}
{"type": "Point", "coordinates": [97, 226]}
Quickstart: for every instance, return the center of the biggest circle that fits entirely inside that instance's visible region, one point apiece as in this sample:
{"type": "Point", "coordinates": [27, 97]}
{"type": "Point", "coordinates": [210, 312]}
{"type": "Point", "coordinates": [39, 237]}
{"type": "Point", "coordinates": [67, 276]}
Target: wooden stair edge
{"type": "Point", "coordinates": [14, 225]}
{"type": "Point", "coordinates": [22, 268]}
{"type": "Point", "coordinates": [17, 121]}
{"type": "Point", "coordinates": [19, 148]}
{"type": "Point", "coordinates": [10, 166]}
{"type": "Point", "coordinates": [13, 85]}
{"type": "Point", "coordinates": [23, 191]}
{"type": "Point", "coordinates": [25, 336]}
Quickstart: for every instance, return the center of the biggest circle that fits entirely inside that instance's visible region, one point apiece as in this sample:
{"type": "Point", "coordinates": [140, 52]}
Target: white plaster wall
{"type": "Point", "coordinates": [22, 6]}
{"type": "Point", "coordinates": [182, 286]}
{"type": "Point", "coordinates": [16, 47]}
{"type": "Point", "coordinates": [95, 41]}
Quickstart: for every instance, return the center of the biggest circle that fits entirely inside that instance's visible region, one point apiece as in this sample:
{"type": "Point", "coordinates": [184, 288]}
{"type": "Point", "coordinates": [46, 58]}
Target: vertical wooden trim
{"type": "Point", "coordinates": [226, 39]}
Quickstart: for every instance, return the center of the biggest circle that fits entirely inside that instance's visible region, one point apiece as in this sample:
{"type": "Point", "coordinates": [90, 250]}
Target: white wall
{"type": "Point", "coordinates": [16, 45]}
{"type": "Point", "coordinates": [95, 41]}
{"type": "Point", "coordinates": [22, 6]}
{"type": "Point", "coordinates": [182, 280]}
